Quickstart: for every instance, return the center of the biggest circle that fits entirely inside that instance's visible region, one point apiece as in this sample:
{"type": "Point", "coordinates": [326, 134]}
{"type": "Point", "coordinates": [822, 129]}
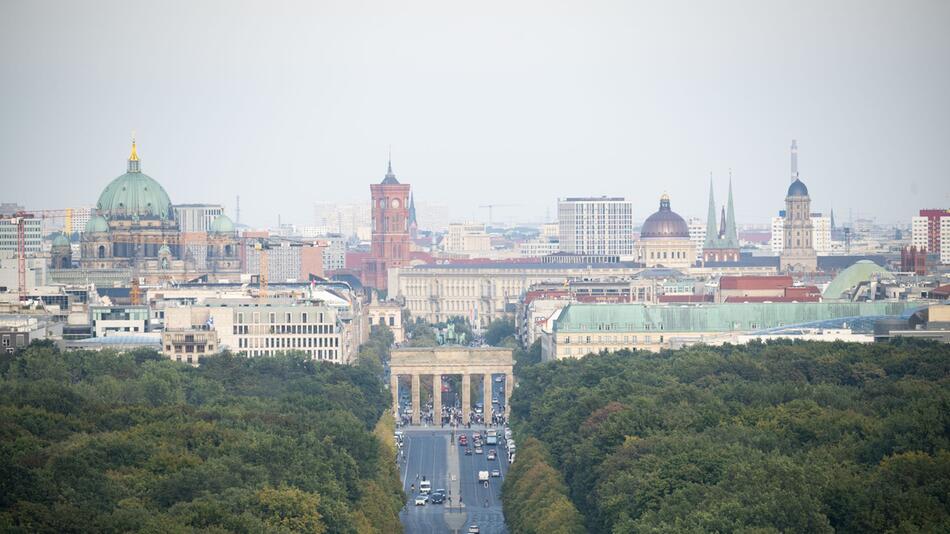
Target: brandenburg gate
{"type": "Point", "coordinates": [451, 360]}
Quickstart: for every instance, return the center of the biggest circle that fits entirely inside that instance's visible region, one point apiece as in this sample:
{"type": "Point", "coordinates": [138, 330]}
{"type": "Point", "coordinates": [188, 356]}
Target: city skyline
{"type": "Point", "coordinates": [546, 104]}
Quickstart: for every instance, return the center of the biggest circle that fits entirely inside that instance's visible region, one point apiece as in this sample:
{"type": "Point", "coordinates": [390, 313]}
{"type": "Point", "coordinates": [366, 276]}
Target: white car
{"type": "Point", "coordinates": [421, 500]}
{"type": "Point", "coordinates": [473, 529]}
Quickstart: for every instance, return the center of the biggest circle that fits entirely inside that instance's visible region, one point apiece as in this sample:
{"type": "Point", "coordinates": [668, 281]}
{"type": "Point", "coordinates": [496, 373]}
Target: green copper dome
{"type": "Point", "coordinates": [134, 194]}
{"type": "Point", "coordinates": [96, 224]}
{"type": "Point", "coordinates": [60, 241]}
{"type": "Point", "coordinates": [222, 224]}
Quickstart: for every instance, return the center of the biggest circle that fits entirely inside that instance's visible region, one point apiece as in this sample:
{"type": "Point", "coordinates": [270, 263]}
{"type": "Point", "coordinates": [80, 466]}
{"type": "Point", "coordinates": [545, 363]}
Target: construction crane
{"type": "Point", "coordinates": [18, 219]}
{"type": "Point", "coordinates": [493, 206]}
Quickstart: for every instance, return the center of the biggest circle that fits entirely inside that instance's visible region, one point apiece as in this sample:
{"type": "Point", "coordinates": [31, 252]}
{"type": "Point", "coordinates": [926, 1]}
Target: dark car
{"type": "Point", "coordinates": [468, 451]}
{"type": "Point", "coordinates": [437, 497]}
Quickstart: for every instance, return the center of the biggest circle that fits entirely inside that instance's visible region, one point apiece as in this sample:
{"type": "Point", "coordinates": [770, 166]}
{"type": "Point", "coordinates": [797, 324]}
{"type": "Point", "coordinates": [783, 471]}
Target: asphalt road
{"type": "Point", "coordinates": [430, 453]}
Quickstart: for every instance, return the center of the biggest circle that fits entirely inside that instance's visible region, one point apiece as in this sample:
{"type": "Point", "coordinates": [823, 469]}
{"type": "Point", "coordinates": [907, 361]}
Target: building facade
{"type": "Point", "coordinates": [582, 329]}
{"type": "Point", "coordinates": [32, 231]}
{"type": "Point", "coordinates": [467, 238]}
{"type": "Point", "coordinates": [390, 240]}
{"type": "Point", "coordinates": [596, 225]}
{"type": "Point", "coordinates": [252, 327]}
{"type": "Point", "coordinates": [664, 239]}
{"type": "Point", "coordinates": [486, 291]}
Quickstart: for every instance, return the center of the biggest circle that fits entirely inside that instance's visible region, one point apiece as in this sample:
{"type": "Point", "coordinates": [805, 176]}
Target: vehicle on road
{"type": "Point", "coordinates": [473, 529]}
{"type": "Point", "coordinates": [468, 451]}
{"type": "Point", "coordinates": [499, 379]}
{"type": "Point", "coordinates": [478, 450]}
{"type": "Point", "coordinates": [425, 487]}
{"type": "Point", "coordinates": [495, 473]}
{"type": "Point", "coordinates": [491, 454]}
{"type": "Point", "coordinates": [491, 438]}
{"type": "Point", "coordinates": [483, 476]}
{"type": "Point", "coordinates": [437, 497]}
{"type": "Point", "coordinates": [421, 500]}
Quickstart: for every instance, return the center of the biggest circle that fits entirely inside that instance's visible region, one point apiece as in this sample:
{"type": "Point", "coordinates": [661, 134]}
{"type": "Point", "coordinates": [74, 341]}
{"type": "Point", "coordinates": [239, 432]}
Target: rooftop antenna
{"type": "Point", "coordinates": [237, 210]}
{"type": "Point", "coordinates": [794, 160]}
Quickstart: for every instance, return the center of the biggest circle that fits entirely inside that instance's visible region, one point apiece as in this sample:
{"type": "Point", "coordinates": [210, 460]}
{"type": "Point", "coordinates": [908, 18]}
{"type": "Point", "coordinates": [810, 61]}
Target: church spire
{"type": "Point", "coordinates": [711, 231]}
{"type": "Point", "coordinates": [390, 175]}
{"type": "Point", "coordinates": [730, 232]}
{"type": "Point", "coordinates": [134, 165]}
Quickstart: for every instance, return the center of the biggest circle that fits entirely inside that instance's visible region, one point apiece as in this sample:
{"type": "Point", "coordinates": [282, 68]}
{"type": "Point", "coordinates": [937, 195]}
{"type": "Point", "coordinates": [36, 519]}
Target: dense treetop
{"type": "Point", "coordinates": [106, 442]}
{"type": "Point", "coordinates": [777, 437]}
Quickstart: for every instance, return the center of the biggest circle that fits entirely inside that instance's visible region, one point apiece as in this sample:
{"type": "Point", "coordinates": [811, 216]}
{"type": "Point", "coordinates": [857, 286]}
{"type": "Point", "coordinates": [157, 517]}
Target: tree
{"type": "Point", "coordinates": [498, 330]}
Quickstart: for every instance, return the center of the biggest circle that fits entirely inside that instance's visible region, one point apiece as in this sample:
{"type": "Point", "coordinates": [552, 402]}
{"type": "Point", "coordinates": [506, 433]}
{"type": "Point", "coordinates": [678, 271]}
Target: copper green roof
{"type": "Point", "coordinates": [222, 224]}
{"type": "Point", "coordinates": [134, 194]}
{"type": "Point", "coordinates": [586, 318]}
{"type": "Point", "coordinates": [96, 224]}
{"type": "Point", "coordinates": [861, 271]}
{"type": "Point", "coordinates": [60, 240]}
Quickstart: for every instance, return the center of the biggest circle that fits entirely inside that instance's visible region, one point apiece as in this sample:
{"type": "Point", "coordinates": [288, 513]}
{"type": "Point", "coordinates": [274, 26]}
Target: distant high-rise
{"type": "Point", "coordinates": [596, 226]}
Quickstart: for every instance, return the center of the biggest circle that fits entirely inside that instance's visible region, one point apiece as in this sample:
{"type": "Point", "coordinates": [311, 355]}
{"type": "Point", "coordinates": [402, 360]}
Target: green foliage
{"type": "Point", "coordinates": [534, 495]}
{"type": "Point", "coordinates": [776, 437]}
{"type": "Point", "coordinates": [420, 334]}
{"type": "Point", "coordinates": [499, 330]}
{"type": "Point", "coordinates": [106, 442]}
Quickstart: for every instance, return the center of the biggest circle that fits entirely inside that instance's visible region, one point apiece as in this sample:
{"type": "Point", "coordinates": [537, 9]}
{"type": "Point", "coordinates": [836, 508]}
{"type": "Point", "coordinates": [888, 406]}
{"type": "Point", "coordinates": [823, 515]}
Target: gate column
{"type": "Point", "coordinates": [466, 397]}
{"type": "Point", "coordinates": [437, 398]}
{"type": "Point", "coordinates": [416, 409]}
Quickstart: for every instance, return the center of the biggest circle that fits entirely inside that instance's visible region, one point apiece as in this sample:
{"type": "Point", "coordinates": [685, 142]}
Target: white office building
{"type": "Point", "coordinates": [945, 240]}
{"type": "Point", "coordinates": [467, 238]}
{"type": "Point", "coordinates": [821, 233]}
{"type": "Point", "coordinates": [596, 226]}
{"type": "Point", "coordinates": [32, 231]}
{"type": "Point", "coordinates": [697, 234]}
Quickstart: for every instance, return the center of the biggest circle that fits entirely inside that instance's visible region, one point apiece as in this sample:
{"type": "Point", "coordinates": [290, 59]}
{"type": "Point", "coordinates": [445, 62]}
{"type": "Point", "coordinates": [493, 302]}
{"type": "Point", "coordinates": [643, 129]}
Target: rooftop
{"type": "Point", "coordinates": [714, 317]}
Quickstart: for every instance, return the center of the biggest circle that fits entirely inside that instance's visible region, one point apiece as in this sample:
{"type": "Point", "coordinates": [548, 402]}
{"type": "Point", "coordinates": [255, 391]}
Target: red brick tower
{"type": "Point", "coordinates": [390, 241]}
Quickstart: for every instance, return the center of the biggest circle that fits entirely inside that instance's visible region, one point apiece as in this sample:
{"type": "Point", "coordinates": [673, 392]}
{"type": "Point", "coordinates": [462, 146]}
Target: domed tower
{"type": "Point", "coordinates": [223, 246]}
{"type": "Point", "coordinates": [664, 239]}
{"type": "Point", "coordinates": [138, 214]}
{"type": "Point", "coordinates": [61, 253]}
{"type": "Point", "coordinates": [95, 245]}
{"type": "Point", "coordinates": [798, 253]}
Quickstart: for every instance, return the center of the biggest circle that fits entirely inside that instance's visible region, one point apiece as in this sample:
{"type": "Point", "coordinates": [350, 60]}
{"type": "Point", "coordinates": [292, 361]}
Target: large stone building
{"type": "Point", "coordinates": [255, 327]}
{"type": "Point", "coordinates": [485, 291]}
{"type": "Point", "coordinates": [664, 239]}
{"type": "Point", "coordinates": [582, 329]}
{"type": "Point", "coordinates": [390, 240]}
{"type": "Point", "coordinates": [134, 225]}
{"type": "Point", "coordinates": [596, 225]}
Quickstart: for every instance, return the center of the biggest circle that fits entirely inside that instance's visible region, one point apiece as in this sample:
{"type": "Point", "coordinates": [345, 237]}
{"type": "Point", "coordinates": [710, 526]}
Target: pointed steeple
{"type": "Point", "coordinates": [712, 233]}
{"type": "Point", "coordinates": [134, 164]}
{"type": "Point", "coordinates": [412, 210]}
{"type": "Point", "coordinates": [731, 234]}
{"type": "Point", "coordinates": [390, 177]}
{"type": "Point", "coordinates": [833, 227]}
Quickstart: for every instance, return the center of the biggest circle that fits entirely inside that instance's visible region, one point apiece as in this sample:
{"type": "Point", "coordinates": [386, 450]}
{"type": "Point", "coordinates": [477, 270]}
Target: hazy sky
{"type": "Point", "coordinates": [288, 103]}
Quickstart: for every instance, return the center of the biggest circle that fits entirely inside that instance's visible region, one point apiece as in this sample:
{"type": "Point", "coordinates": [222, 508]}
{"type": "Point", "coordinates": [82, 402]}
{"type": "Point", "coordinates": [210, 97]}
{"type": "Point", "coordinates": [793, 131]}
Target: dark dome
{"type": "Point", "coordinates": [664, 223]}
{"type": "Point", "coordinates": [797, 189]}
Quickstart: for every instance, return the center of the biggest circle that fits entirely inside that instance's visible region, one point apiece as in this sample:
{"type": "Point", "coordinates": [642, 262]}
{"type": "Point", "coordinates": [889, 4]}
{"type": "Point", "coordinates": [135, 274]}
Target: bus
{"type": "Point", "coordinates": [491, 437]}
{"type": "Point", "coordinates": [425, 487]}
